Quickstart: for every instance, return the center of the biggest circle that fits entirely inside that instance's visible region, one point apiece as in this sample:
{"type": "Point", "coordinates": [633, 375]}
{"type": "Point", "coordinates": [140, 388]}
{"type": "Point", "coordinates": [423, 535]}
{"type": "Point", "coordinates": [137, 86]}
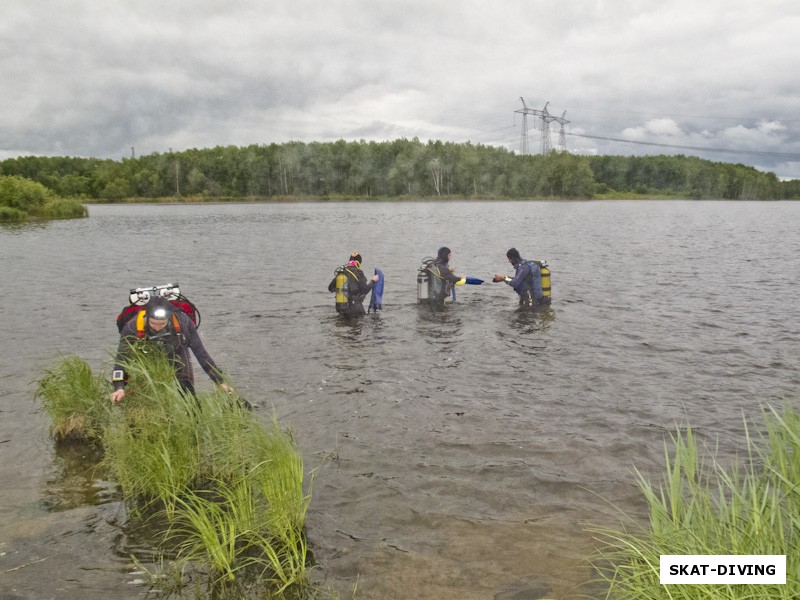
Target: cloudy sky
{"type": "Point", "coordinates": [714, 78]}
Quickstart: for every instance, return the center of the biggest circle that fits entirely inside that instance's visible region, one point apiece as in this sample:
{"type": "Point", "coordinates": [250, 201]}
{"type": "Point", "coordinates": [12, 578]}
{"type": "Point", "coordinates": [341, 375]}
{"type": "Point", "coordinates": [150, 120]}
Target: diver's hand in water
{"type": "Point", "coordinates": [375, 278]}
{"type": "Point", "coordinates": [117, 396]}
{"type": "Point", "coordinates": [499, 278]}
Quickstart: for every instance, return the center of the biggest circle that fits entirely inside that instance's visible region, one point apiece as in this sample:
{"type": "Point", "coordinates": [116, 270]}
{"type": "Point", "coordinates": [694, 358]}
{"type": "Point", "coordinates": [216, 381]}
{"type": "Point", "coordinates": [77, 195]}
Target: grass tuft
{"type": "Point", "coordinates": [226, 489]}
{"type": "Point", "coordinates": [706, 508]}
{"type": "Point", "coordinates": [75, 399]}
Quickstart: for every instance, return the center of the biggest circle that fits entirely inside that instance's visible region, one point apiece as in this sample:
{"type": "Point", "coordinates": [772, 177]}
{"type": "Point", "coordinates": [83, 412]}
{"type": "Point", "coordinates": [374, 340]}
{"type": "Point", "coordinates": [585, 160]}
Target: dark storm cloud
{"type": "Point", "coordinates": [95, 79]}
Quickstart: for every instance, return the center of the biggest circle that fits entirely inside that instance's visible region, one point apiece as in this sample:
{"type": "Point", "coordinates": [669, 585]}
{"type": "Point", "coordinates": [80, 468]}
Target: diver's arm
{"type": "Point", "coordinates": [118, 376]}
{"type": "Point", "coordinates": [203, 357]}
{"type": "Point", "coordinates": [519, 277]}
{"type": "Point", "coordinates": [453, 278]}
{"type": "Point", "coordinates": [364, 286]}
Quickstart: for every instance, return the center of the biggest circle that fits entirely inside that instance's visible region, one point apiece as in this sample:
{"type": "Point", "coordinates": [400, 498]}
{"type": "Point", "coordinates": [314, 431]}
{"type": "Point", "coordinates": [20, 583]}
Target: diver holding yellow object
{"type": "Point", "coordinates": [436, 279]}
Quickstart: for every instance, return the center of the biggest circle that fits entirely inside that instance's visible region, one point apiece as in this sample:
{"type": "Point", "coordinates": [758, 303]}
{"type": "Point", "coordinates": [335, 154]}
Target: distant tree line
{"type": "Point", "coordinates": [400, 168]}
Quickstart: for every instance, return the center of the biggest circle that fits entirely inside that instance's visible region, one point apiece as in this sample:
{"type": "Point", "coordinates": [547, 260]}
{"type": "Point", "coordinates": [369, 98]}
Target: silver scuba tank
{"type": "Point", "coordinates": [424, 282]}
{"type": "Point", "coordinates": [422, 287]}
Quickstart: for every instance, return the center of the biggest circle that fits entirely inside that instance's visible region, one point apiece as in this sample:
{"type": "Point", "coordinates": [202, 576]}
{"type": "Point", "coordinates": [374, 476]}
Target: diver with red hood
{"type": "Point", "coordinates": [160, 323]}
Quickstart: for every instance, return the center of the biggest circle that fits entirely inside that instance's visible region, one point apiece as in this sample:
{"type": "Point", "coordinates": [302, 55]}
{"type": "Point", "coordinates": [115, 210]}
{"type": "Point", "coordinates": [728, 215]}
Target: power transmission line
{"type": "Point", "coordinates": [738, 119]}
{"type": "Point", "coordinates": [788, 155]}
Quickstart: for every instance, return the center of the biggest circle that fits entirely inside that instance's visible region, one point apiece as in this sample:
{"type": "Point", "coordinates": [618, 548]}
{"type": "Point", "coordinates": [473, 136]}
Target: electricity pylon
{"type": "Point", "coordinates": [545, 118]}
{"type": "Point", "coordinates": [562, 135]}
{"type": "Point", "coordinates": [523, 143]}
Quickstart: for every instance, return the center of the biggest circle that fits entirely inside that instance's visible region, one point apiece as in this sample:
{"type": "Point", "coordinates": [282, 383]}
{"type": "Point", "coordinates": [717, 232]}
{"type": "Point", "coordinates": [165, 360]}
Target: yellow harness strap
{"type": "Point", "coordinates": [140, 323]}
{"type": "Point", "coordinates": [437, 273]}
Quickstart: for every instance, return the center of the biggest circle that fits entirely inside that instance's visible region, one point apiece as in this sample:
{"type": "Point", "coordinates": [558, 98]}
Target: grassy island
{"type": "Point", "coordinates": [222, 490]}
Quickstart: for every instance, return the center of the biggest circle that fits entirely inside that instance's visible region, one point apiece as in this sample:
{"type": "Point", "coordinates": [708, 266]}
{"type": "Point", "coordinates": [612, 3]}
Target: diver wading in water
{"type": "Point", "coordinates": [531, 280]}
{"type": "Point", "coordinates": [162, 323]}
{"type": "Point", "coordinates": [351, 287]}
{"type": "Point", "coordinates": [436, 279]}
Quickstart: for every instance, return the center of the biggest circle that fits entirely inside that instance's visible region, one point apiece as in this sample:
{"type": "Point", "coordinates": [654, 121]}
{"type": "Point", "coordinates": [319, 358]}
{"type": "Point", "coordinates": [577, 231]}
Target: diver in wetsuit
{"type": "Point", "coordinates": [441, 278]}
{"type": "Point", "coordinates": [351, 286]}
{"type": "Point", "coordinates": [173, 331]}
{"type": "Point", "coordinates": [527, 280]}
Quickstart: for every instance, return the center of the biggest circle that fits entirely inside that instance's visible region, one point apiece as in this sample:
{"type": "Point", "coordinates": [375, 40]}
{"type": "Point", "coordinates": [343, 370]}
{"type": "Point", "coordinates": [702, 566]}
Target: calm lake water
{"type": "Point", "coordinates": [460, 454]}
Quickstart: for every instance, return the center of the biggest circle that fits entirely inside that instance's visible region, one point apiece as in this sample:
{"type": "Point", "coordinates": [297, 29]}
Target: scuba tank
{"type": "Point", "coordinates": [428, 284]}
{"type": "Point", "coordinates": [546, 291]}
{"type": "Point", "coordinates": [545, 271]}
{"type": "Point", "coordinates": [342, 290]}
{"type": "Point", "coordinates": [422, 287]}
{"type": "Point", "coordinates": [139, 297]}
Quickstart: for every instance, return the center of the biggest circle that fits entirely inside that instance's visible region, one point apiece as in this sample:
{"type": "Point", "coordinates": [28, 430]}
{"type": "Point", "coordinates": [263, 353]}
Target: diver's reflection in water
{"type": "Point", "coordinates": [525, 331]}
{"type": "Point", "coordinates": [353, 340]}
{"type": "Point", "coordinates": [525, 320]}
{"type": "Point", "coordinates": [439, 324]}
{"type": "Point", "coordinates": [77, 478]}
{"type": "Point", "coordinates": [348, 328]}
{"type": "Point", "coordinates": [352, 327]}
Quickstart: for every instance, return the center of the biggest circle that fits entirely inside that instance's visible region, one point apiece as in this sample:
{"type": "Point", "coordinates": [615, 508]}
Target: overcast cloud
{"type": "Point", "coordinates": [90, 78]}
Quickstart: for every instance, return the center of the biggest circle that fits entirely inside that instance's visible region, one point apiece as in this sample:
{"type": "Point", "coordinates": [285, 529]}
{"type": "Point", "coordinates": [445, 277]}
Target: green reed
{"type": "Point", "coordinates": [75, 399]}
{"type": "Point", "coordinates": [150, 442]}
{"type": "Point", "coordinates": [229, 524]}
{"type": "Point", "coordinates": [250, 516]}
{"type": "Point", "coordinates": [226, 489]}
{"type": "Point", "coordinates": [705, 508]}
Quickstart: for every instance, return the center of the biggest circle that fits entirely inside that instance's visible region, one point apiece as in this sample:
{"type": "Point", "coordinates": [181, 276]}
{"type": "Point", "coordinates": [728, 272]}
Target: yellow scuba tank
{"type": "Point", "coordinates": [342, 290]}
{"type": "Point", "coordinates": [545, 271]}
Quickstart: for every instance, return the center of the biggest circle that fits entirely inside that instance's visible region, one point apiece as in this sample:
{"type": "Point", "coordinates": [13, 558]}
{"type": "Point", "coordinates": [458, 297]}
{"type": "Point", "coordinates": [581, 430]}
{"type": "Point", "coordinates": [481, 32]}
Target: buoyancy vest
{"type": "Point", "coordinates": [169, 339]}
{"type": "Point", "coordinates": [437, 284]}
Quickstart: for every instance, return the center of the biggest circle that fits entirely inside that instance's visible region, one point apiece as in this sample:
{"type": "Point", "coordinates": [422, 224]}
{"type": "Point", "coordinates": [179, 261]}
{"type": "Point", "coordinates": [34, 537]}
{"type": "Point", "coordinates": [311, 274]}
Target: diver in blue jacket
{"type": "Point", "coordinates": [351, 287]}
{"type": "Point", "coordinates": [527, 280]}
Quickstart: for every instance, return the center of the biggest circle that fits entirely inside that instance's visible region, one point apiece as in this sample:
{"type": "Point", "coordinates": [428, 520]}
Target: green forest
{"type": "Point", "coordinates": [393, 169]}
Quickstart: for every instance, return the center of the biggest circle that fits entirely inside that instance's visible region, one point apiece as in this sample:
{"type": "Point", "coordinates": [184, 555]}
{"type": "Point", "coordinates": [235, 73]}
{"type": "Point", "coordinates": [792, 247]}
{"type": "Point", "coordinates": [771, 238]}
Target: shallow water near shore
{"type": "Point", "coordinates": [457, 454]}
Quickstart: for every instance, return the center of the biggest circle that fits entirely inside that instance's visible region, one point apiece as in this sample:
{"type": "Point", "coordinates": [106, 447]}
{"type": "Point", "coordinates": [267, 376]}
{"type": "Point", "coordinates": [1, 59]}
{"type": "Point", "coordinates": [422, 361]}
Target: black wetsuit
{"type": "Point", "coordinates": [358, 287]}
{"type": "Point", "coordinates": [176, 345]}
{"type": "Point", "coordinates": [441, 278]}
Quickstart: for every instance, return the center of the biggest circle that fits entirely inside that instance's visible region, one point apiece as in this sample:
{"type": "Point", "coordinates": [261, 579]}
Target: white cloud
{"type": "Point", "coordinates": [653, 128]}
{"type": "Point", "coordinates": [91, 79]}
